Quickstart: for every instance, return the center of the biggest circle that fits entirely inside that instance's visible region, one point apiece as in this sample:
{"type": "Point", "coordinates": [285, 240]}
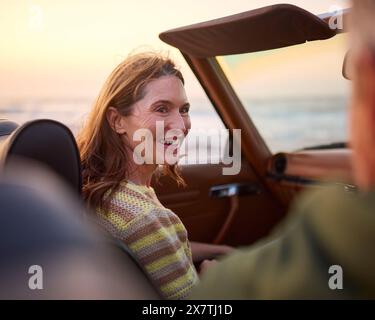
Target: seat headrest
{"type": "Point", "coordinates": [7, 127]}
{"type": "Point", "coordinates": [50, 143]}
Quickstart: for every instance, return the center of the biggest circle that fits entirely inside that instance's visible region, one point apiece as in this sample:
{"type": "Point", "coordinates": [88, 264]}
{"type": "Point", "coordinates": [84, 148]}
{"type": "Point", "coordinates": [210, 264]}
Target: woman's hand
{"type": "Point", "coordinates": [224, 249]}
{"type": "Point", "coordinates": [205, 251]}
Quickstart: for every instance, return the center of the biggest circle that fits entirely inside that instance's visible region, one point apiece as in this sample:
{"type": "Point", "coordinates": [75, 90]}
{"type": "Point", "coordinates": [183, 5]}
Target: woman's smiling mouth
{"type": "Point", "coordinates": [169, 142]}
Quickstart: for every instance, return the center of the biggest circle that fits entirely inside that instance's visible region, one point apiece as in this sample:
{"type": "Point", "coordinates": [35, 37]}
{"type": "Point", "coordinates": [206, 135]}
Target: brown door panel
{"type": "Point", "coordinates": [314, 164]}
{"type": "Point", "coordinates": [204, 216]}
{"type": "Point", "coordinates": [300, 170]}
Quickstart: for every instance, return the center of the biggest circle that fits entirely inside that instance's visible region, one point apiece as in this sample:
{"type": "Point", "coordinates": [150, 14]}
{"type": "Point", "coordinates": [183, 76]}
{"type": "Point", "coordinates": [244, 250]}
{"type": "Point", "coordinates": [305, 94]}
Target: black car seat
{"type": "Point", "coordinates": [7, 127]}
{"type": "Point", "coordinates": [50, 143]}
{"type": "Point", "coordinates": [41, 225]}
{"type": "Point", "coordinates": [53, 145]}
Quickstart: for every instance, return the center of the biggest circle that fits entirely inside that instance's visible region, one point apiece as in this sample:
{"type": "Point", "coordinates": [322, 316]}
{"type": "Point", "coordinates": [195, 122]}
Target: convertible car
{"type": "Point", "coordinates": [240, 209]}
{"type": "Point", "coordinates": [236, 209]}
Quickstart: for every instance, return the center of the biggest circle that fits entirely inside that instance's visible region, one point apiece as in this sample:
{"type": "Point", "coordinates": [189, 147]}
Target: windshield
{"type": "Point", "coordinates": [296, 96]}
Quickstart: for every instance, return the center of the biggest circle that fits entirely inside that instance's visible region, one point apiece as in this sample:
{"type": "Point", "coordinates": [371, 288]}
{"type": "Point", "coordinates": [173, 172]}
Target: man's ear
{"type": "Point", "coordinates": [115, 120]}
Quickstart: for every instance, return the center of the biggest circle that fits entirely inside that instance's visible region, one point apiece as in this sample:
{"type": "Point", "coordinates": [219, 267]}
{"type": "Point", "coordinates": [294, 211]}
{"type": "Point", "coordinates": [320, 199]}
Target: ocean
{"type": "Point", "coordinates": [286, 124]}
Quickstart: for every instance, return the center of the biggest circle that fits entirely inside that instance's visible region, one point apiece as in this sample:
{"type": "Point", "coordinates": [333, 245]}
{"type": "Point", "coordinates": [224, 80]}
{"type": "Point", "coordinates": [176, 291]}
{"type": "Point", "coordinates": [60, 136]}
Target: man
{"type": "Point", "coordinates": [325, 249]}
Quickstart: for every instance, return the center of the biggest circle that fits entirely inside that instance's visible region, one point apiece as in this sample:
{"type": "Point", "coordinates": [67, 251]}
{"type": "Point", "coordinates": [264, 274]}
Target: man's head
{"type": "Point", "coordinates": [362, 119]}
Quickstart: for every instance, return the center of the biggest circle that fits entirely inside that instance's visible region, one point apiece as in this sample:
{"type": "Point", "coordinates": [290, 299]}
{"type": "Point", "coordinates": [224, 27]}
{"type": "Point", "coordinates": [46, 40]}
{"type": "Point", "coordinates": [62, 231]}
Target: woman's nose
{"type": "Point", "coordinates": [176, 122]}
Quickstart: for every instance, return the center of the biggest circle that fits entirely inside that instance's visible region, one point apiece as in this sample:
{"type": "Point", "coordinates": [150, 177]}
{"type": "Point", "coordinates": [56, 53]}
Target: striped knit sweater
{"type": "Point", "coordinates": [155, 235]}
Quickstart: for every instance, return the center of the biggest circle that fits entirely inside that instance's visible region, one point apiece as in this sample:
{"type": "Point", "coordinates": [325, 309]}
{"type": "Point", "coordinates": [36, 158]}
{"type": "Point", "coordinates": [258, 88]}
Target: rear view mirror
{"type": "Point", "coordinates": [347, 66]}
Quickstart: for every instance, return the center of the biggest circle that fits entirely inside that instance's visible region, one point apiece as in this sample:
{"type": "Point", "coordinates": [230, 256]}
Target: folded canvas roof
{"type": "Point", "coordinates": [261, 29]}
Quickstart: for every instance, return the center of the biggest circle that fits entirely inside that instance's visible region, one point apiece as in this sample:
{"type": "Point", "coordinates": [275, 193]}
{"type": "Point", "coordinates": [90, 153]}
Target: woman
{"type": "Point", "coordinates": [143, 91]}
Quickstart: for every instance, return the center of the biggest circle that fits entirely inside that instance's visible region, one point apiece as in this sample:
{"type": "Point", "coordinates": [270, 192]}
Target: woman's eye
{"type": "Point", "coordinates": [162, 110]}
{"type": "Point", "coordinates": [184, 110]}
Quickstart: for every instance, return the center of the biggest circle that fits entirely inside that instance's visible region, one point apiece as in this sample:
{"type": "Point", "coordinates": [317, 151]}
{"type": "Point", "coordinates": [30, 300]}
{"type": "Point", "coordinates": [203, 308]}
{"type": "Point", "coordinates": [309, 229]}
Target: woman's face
{"type": "Point", "coordinates": [164, 112]}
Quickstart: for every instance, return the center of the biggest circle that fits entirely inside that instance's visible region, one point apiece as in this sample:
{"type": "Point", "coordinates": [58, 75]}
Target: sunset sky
{"type": "Point", "coordinates": [66, 48]}
{"type": "Point", "coordinates": [311, 70]}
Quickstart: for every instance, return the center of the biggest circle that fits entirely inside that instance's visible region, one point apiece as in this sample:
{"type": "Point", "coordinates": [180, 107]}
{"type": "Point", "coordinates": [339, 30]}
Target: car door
{"type": "Point", "coordinates": [216, 208]}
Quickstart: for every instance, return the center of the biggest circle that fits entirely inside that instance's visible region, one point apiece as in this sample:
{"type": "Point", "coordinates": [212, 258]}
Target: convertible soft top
{"type": "Point", "coordinates": [261, 29]}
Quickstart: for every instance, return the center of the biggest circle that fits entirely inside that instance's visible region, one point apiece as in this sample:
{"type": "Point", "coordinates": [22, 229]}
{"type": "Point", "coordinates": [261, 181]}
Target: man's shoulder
{"type": "Point", "coordinates": [335, 210]}
{"type": "Point", "coordinates": [326, 227]}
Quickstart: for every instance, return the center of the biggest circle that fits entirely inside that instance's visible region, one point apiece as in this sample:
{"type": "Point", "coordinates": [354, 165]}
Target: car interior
{"type": "Point", "coordinates": [235, 210]}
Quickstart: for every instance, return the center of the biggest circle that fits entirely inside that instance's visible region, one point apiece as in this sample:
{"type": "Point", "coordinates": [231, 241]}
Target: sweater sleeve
{"type": "Point", "coordinates": [159, 241]}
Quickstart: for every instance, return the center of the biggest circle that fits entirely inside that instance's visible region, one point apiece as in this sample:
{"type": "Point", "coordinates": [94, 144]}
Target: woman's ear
{"type": "Point", "coordinates": [114, 119]}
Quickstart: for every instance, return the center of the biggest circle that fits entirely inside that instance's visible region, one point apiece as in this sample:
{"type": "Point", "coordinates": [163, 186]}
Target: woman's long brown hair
{"type": "Point", "coordinates": [103, 154]}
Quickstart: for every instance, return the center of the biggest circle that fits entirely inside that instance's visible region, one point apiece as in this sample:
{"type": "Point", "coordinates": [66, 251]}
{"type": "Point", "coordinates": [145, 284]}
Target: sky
{"type": "Point", "coordinates": [304, 71]}
{"type": "Point", "coordinates": [59, 49]}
